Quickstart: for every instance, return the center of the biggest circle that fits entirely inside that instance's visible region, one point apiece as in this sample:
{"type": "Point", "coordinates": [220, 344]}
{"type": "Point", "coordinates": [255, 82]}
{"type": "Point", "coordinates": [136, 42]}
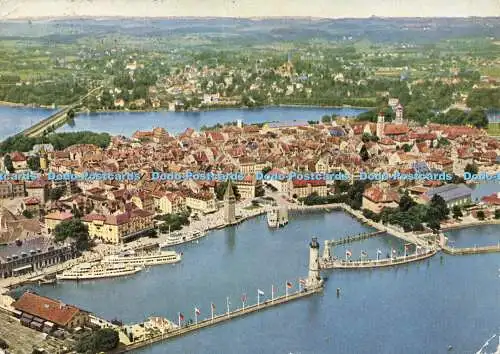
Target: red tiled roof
{"type": "Point", "coordinates": [46, 308]}
{"type": "Point", "coordinates": [379, 195]}
{"type": "Point", "coordinates": [395, 129]}
{"type": "Point", "coordinates": [493, 199]}
{"type": "Point", "coordinates": [92, 217]}
{"type": "Point", "coordinates": [300, 183]}
{"type": "Point", "coordinates": [59, 216]}
{"type": "Point", "coordinates": [31, 201]}
{"type": "Point", "coordinates": [17, 156]}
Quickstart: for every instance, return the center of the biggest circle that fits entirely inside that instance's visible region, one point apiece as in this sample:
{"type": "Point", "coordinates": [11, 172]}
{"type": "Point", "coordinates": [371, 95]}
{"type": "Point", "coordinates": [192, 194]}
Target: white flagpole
{"type": "Point", "coordinates": [212, 308]}
{"type": "Point", "coordinates": [286, 289]}
{"type": "Point", "coordinates": [227, 302]}
{"type": "Point", "coordinates": [195, 317]}
{"type": "Point", "coordinates": [272, 292]}
{"type": "Point", "coordinates": [179, 319]}
{"type": "Point", "coordinates": [258, 298]}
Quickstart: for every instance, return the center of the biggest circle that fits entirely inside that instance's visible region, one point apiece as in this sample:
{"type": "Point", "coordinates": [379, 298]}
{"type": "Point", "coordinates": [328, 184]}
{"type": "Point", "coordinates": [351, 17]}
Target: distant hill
{"type": "Point", "coordinates": [262, 30]}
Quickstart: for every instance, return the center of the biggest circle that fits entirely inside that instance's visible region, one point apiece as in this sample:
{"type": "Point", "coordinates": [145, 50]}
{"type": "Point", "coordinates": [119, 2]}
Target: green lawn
{"type": "Point", "coordinates": [494, 129]}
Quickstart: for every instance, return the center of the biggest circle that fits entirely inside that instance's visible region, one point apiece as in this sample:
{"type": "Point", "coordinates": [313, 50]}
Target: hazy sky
{"type": "Point", "coordinates": [248, 8]}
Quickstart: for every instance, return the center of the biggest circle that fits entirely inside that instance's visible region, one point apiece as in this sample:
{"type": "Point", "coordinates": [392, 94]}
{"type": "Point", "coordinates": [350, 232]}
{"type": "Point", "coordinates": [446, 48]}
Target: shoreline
{"type": "Point", "coordinates": [22, 105]}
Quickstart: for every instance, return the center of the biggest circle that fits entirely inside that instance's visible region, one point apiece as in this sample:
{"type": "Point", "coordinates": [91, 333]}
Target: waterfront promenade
{"type": "Point", "coordinates": [187, 329]}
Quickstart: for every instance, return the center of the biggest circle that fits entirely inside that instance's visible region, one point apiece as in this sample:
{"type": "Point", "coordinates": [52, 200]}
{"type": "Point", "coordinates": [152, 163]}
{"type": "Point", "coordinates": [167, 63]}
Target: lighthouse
{"type": "Point", "coordinates": [314, 279]}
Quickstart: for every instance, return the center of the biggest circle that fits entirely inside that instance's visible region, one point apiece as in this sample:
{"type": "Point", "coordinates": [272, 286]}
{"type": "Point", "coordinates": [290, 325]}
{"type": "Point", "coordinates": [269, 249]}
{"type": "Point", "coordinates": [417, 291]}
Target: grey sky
{"type": "Point", "coordinates": [248, 8]}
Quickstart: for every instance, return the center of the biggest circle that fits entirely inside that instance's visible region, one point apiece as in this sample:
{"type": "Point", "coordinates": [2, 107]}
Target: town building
{"type": "Point", "coordinates": [204, 202]}
{"type": "Point", "coordinates": [115, 229]}
{"type": "Point", "coordinates": [299, 188]}
{"type": "Point", "coordinates": [23, 256]}
{"type": "Point", "coordinates": [54, 219]}
{"type": "Point", "coordinates": [46, 314]}
{"type": "Point", "coordinates": [247, 186]}
{"type": "Point", "coordinates": [12, 189]}
{"type": "Point", "coordinates": [377, 198]}
{"type": "Point", "coordinates": [451, 193]}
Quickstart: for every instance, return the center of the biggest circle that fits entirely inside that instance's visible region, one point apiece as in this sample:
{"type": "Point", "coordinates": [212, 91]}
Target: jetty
{"type": "Point", "coordinates": [376, 263]}
{"type": "Point", "coordinates": [470, 250]}
{"type": "Point", "coordinates": [356, 238]}
{"type": "Point", "coordinates": [240, 312]}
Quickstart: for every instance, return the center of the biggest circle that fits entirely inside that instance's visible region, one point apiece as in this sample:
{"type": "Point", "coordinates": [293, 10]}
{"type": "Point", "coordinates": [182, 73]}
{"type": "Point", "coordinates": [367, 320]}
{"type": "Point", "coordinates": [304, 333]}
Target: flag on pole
{"type": "Point", "coordinates": [364, 254]}
{"type": "Point", "coordinates": [260, 292]}
{"type": "Point", "coordinates": [196, 314]}
{"type": "Point", "coordinates": [348, 253]}
{"type": "Point", "coordinates": [379, 251]}
{"type": "Point", "coordinates": [181, 318]}
{"type": "Point", "coordinates": [212, 307]}
{"type": "Point", "coordinates": [302, 282]}
{"type": "Point", "coordinates": [288, 285]}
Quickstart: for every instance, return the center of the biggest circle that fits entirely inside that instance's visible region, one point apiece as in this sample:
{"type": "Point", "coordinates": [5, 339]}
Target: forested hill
{"type": "Point", "coordinates": [234, 30]}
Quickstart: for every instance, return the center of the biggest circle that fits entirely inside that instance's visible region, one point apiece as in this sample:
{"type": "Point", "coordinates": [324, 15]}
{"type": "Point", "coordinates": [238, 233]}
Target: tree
{"type": "Point", "coordinates": [326, 119]}
{"type": "Point", "coordinates": [457, 212]}
{"type": "Point", "coordinates": [478, 118]}
{"type": "Point", "coordinates": [497, 214]}
{"type": "Point", "coordinates": [74, 229]}
{"type": "Point", "coordinates": [34, 163]}
{"type": "Point", "coordinates": [480, 215]}
{"type": "Point", "coordinates": [57, 193]}
{"type": "Point", "coordinates": [102, 340]}
{"type": "Point", "coordinates": [27, 214]}
{"type": "Point", "coordinates": [434, 225]}
{"type": "Point", "coordinates": [438, 208]}
{"type": "Point", "coordinates": [363, 153]}
{"type": "Point", "coordinates": [471, 168]}
{"type": "Point", "coordinates": [7, 162]}
{"type": "Point", "coordinates": [406, 202]}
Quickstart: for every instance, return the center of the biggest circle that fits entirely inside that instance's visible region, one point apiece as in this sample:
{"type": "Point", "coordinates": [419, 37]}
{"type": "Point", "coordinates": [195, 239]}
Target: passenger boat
{"type": "Point", "coordinates": [87, 271]}
{"type": "Point", "coordinates": [277, 217]}
{"type": "Point", "coordinates": [133, 258]}
{"type": "Point", "coordinates": [178, 239]}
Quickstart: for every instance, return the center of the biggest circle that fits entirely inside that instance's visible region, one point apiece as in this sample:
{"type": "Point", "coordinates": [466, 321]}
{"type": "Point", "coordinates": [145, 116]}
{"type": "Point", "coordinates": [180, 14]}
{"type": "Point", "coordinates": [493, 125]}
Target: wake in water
{"type": "Point", "coordinates": [487, 343]}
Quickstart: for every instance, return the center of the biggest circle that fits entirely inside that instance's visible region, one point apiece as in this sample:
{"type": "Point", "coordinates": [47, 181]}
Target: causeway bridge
{"type": "Point", "coordinates": [56, 118]}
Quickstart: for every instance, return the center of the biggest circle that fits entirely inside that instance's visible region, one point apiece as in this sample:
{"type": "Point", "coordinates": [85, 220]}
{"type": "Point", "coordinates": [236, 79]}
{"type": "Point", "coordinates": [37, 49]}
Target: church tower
{"type": "Point", "coordinates": [380, 125]}
{"type": "Point", "coordinates": [43, 159]}
{"type": "Point", "coordinates": [399, 114]}
{"type": "Point", "coordinates": [314, 278]}
{"type": "Point", "coordinates": [229, 204]}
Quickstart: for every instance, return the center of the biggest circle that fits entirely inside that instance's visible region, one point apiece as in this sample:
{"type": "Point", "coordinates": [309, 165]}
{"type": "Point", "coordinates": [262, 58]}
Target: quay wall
{"type": "Point", "coordinates": [470, 250]}
{"type": "Point", "coordinates": [219, 319]}
{"type": "Point", "coordinates": [386, 262]}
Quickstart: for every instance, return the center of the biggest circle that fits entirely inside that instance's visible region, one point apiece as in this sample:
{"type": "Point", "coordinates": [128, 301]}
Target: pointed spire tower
{"type": "Point", "coordinates": [229, 204]}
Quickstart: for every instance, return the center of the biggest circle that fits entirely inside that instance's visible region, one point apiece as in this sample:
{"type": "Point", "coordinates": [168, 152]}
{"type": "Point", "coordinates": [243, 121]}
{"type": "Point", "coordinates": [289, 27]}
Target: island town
{"type": "Point", "coordinates": [62, 230]}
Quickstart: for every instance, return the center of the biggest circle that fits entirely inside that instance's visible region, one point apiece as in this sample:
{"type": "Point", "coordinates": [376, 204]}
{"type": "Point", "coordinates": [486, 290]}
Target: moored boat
{"type": "Point", "coordinates": [143, 259]}
{"type": "Point", "coordinates": [88, 271]}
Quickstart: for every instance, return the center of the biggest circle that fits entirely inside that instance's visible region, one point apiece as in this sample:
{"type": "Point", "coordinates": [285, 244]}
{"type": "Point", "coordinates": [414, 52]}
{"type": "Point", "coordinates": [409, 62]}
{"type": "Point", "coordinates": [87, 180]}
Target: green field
{"type": "Point", "coordinates": [494, 129]}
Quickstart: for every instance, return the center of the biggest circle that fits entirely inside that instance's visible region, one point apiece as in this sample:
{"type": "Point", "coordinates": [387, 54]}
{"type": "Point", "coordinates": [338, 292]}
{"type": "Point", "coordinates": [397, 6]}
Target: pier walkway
{"type": "Point", "coordinates": [374, 263]}
{"type": "Point", "coordinates": [180, 331]}
{"type": "Point", "coordinates": [349, 239]}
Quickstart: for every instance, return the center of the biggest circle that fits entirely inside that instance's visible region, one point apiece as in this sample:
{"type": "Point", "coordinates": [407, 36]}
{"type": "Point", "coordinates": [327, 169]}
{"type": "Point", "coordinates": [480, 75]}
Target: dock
{"type": "Point", "coordinates": [374, 263]}
{"type": "Point", "coordinates": [240, 312]}
{"type": "Point", "coordinates": [470, 250]}
{"type": "Point", "coordinates": [349, 239]}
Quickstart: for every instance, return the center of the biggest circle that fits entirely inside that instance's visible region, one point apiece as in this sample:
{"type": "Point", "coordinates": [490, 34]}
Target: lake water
{"type": "Point", "coordinates": [419, 308]}
{"type": "Point", "coordinates": [485, 235]}
{"type": "Point", "coordinates": [13, 120]}
{"type": "Point", "coordinates": [126, 123]}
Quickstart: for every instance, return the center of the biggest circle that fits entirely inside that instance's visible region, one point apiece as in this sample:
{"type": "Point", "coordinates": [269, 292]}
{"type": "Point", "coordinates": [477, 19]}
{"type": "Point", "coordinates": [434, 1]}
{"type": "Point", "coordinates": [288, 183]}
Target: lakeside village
{"type": "Point", "coordinates": [72, 228]}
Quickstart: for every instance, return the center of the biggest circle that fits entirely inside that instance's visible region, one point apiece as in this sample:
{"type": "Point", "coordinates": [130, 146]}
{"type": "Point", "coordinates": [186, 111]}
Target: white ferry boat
{"type": "Point", "coordinates": [133, 258]}
{"type": "Point", "coordinates": [176, 239]}
{"type": "Point", "coordinates": [87, 271]}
